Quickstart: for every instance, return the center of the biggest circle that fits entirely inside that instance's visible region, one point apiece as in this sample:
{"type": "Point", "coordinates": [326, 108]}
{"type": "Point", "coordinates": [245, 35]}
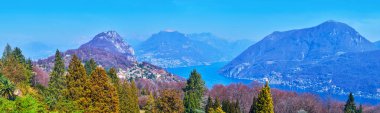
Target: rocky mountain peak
{"type": "Point", "coordinates": [110, 41]}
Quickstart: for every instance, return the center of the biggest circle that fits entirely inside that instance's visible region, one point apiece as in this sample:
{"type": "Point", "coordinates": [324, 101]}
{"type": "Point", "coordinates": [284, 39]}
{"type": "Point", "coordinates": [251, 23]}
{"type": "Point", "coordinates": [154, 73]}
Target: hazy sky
{"type": "Point", "coordinates": [64, 24]}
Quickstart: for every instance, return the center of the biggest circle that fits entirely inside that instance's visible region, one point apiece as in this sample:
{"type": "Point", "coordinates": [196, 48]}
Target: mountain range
{"type": "Point", "coordinates": [331, 57]}
{"type": "Point", "coordinates": [175, 49]}
{"type": "Point", "coordinates": [108, 49]}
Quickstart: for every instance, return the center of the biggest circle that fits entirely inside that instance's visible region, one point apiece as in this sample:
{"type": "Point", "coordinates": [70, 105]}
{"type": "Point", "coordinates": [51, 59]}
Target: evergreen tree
{"type": "Point", "coordinates": [216, 103]}
{"type": "Point", "coordinates": [253, 106]}
{"type": "Point", "coordinates": [226, 106]}
{"type": "Point", "coordinates": [209, 104]}
{"type": "Point", "coordinates": [360, 110]}
{"type": "Point", "coordinates": [128, 98]}
{"type": "Point", "coordinates": [264, 102]}
{"type": "Point", "coordinates": [19, 57]}
{"type": "Point", "coordinates": [90, 66]}
{"type": "Point", "coordinates": [56, 82]}
{"type": "Point", "coordinates": [216, 110]}
{"type": "Point", "coordinates": [350, 106]}
{"type": "Point", "coordinates": [150, 106]}
{"type": "Point", "coordinates": [7, 52]}
{"type": "Point", "coordinates": [194, 92]}
{"type": "Point", "coordinates": [14, 66]}
{"type": "Point", "coordinates": [133, 98]}
{"type": "Point", "coordinates": [77, 84]}
{"type": "Point", "coordinates": [112, 74]}
{"type": "Point", "coordinates": [123, 97]}
{"type": "Point", "coordinates": [104, 97]}
{"type": "Point", "coordinates": [170, 102]}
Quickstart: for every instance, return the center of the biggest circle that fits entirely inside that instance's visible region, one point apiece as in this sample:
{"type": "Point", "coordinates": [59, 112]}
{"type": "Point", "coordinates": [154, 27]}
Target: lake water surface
{"type": "Point", "coordinates": [211, 76]}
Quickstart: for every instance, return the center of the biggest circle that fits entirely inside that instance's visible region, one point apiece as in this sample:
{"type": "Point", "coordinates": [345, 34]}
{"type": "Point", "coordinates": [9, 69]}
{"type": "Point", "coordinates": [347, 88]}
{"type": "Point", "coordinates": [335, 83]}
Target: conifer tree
{"type": "Point", "coordinates": [19, 57]}
{"type": "Point", "coordinates": [14, 67]}
{"type": "Point", "coordinates": [150, 106]}
{"type": "Point", "coordinates": [56, 82]}
{"type": "Point", "coordinates": [226, 106]}
{"type": "Point", "coordinates": [350, 106]}
{"type": "Point", "coordinates": [104, 98]}
{"type": "Point", "coordinates": [112, 74]}
{"type": "Point", "coordinates": [133, 98]}
{"type": "Point", "coordinates": [216, 110]}
{"type": "Point", "coordinates": [7, 52]}
{"type": "Point", "coordinates": [77, 84]}
{"type": "Point", "coordinates": [170, 102]}
{"type": "Point", "coordinates": [209, 104]}
{"type": "Point", "coordinates": [253, 106]}
{"type": "Point", "coordinates": [360, 110]}
{"type": "Point", "coordinates": [194, 92]}
{"type": "Point", "coordinates": [90, 66]}
{"type": "Point", "coordinates": [216, 103]}
{"type": "Point", "coordinates": [264, 102]}
{"type": "Point", "coordinates": [128, 99]}
{"type": "Point", "coordinates": [123, 97]}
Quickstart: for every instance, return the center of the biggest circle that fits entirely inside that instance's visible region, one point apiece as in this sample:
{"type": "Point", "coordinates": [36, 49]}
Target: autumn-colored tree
{"type": "Point", "coordinates": [56, 83]}
{"type": "Point", "coordinates": [90, 66]}
{"type": "Point", "coordinates": [77, 84]}
{"type": "Point", "coordinates": [194, 92]}
{"type": "Point", "coordinates": [170, 102]}
{"type": "Point", "coordinates": [216, 110]}
{"type": "Point", "coordinates": [104, 98]}
{"type": "Point", "coordinates": [14, 66]}
{"type": "Point", "coordinates": [264, 102]}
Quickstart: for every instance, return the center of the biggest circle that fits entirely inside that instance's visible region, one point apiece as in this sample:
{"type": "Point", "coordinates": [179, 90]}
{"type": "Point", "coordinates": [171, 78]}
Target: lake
{"type": "Point", "coordinates": [211, 76]}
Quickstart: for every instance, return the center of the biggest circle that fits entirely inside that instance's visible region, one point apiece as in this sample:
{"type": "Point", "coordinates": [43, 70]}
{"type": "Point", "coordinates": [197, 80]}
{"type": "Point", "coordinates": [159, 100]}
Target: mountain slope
{"type": "Point", "coordinates": [292, 57]}
{"type": "Point", "coordinates": [377, 43]}
{"type": "Point", "coordinates": [229, 49]}
{"type": "Point", "coordinates": [109, 50]}
{"type": "Point", "coordinates": [174, 49]}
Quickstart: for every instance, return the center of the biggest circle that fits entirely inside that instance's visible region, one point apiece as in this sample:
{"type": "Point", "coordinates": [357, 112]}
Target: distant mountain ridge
{"type": "Point", "coordinates": [108, 49]}
{"type": "Point", "coordinates": [317, 58]}
{"type": "Point", "coordinates": [175, 49]}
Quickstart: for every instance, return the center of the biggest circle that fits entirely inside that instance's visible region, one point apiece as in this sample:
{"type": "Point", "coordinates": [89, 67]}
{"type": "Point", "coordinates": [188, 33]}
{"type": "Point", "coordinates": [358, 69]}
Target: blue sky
{"type": "Point", "coordinates": [63, 24]}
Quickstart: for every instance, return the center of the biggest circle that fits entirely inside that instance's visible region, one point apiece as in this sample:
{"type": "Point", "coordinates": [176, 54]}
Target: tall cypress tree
{"type": "Point", "coordinates": [360, 110]}
{"type": "Point", "coordinates": [77, 88]}
{"type": "Point", "coordinates": [57, 81]}
{"type": "Point", "coordinates": [253, 106]}
{"type": "Point", "coordinates": [264, 102]}
{"type": "Point", "coordinates": [112, 74]}
{"type": "Point", "coordinates": [150, 106]}
{"type": "Point", "coordinates": [19, 57]}
{"type": "Point", "coordinates": [209, 104]}
{"type": "Point", "coordinates": [350, 106]}
{"type": "Point", "coordinates": [194, 92]}
{"type": "Point", "coordinates": [104, 97]}
{"type": "Point", "coordinates": [90, 66]}
{"type": "Point", "coordinates": [7, 52]}
{"type": "Point", "coordinates": [128, 98]}
{"type": "Point", "coordinates": [123, 97]}
{"type": "Point", "coordinates": [133, 98]}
